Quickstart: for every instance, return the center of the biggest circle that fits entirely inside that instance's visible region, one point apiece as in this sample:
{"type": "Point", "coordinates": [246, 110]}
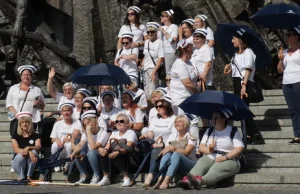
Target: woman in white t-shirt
{"type": "Point", "coordinates": [118, 157]}
{"type": "Point", "coordinates": [183, 76]}
{"type": "Point", "coordinates": [182, 158]}
{"type": "Point", "coordinates": [96, 139]}
{"type": "Point", "coordinates": [153, 58]}
{"type": "Point", "coordinates": [186, 30]}
{"type": "Point", "coordinates": [161, 128]}
{"type": "Point", "coordinates": [104, 88]}
{"type": "Point", "coordinates": [220, 152]}
{"type": "Point", "coordinates": [169, 35]}
{"type": "Point", "coordinates": [78, 98]}
{"type": "Point", "coordinates": [243, 70]}
{"type": "Point", "coordinates": [127, 56]}
{"type": "Point", "coordinates": [202, 58]}
{"type": "Point", "coordinates": [289, 65]}
{"type": "Point", "coordinates": [200, 22]}
{"type": "Point", "coordinates": [133, 25]}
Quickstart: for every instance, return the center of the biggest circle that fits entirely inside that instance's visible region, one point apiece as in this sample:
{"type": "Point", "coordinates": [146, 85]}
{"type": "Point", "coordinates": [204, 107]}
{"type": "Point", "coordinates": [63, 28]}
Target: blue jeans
{"type": "Point", "coordinates": [177, 159]}
{"type": "Point", "coordinates": [153, 168]}
{"type": "Point", "coordinates": [291, 94]}
{"type": "Point", "coordinates": [91, 161]}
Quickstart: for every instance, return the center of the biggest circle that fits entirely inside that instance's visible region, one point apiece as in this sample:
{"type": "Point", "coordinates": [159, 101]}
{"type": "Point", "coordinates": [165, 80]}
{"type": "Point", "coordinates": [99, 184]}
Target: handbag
{"type": "Point", "coordinates": [179, 143]}
{"type": "Point", "coordinates": [253, 89]}
{"type": "Point", "coordinates": [161, 72]}
{"type": "Point", "coordinates": [13, 126]}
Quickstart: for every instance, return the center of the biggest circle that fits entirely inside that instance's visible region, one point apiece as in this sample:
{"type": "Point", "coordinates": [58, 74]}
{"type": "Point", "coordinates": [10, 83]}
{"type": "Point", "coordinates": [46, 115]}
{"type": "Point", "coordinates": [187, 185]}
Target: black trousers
{"type": "Point", "coordinates": [251, 127]}
{"type": "Point", "coordinates": [120, 162]}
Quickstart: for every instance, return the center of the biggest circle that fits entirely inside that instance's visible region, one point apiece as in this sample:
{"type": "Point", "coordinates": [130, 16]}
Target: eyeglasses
{"type": "Point", "coordinates": [289, 34]}
{"type": "Point", "coordinates": [149, 32]}
{"type": "Point", "coordinates": [167, 80]}
{"type": "Point", "coordinates": [125, 43]}
{"type": "Point", "coordinates": [159, 106]}
{"type": "Point", "coordinates": [119, 121]}
{"type": "Point", "coordinates": [87, 108]}
{"type": "Point", "coordinates": [130, 14]}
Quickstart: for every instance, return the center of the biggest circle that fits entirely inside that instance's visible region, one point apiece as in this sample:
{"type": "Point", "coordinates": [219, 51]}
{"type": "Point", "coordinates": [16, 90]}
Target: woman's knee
{"type": "Point", "coordinates": [93, 154]}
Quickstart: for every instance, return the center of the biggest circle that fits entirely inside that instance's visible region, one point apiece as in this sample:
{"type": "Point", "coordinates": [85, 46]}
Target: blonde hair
{"type": "Point", "coordinates": [150, 28]}
{"type": "Point", "coordinates": [91, 120]}
{"type": "Point", "coordinates": [25, 119]}
{"type": "Point", "coordinates": [123, 116]}
{"type": "Point", "coordinates": [155, 93]}
{"type": "Point", "coordinates": [184, 119]}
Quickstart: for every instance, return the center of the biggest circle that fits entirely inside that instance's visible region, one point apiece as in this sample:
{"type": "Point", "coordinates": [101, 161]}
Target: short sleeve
{"type": "Point", "coordinates": [132, 136]}
{"type": "Point", "coordinates": [123, 28]}
{"type": "Point", "coordinates": [181, 70]}
{"type": "Point", "coordinates": [102, 138]}
{"type": "Point", "coordinates": [160, 50]}
{"type": "Point", "coordinates": [210, 34]}
{"type": "Point", "coordinates": [102, 124]}
{"type": "Point", "coordinates": [58, 96]}
{"type": "Point", "coordinates": [237, 140]}
{"type": "Point", "coordinates": [205, 137]}
{"type": "Point", "coordinates": [152, 124]}
{"type": "Point", "coordinates": [144, 30]}
{"type": "Point", "coordinates": [143, 101]}
{"type": "Point", "coordinates": [118, 54]}
{"type": "Point", "coordinates": [249, 59]}
{"type": "Point", "coordinates": [174, 33]}
{"type": "Point", "coordinates": [135, 51]}
{"type": "Point", "coordinates": [139, 116]}
{"type": "Point", "coordinates": [54, 133]}
{"type": "Point", "coordinates": [192, 141]}
{"type": "Point", "coordinates": [83, 137]}
{"type": "Point", "coordinates": [9, 97]}
{"type": "Point", "coordinates": [207, 54]}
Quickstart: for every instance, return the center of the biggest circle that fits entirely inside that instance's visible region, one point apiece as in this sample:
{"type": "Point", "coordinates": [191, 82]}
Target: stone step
{"type": "Point", "coordinates": [268, 178]}
{"type": "Point", "coordinates": [47, 100]}
{"type": "Point", "coordinates": [269, 110]}
{"type": "Point", "coordinates": [269, 123]}
{"type": "Point", "coordinates": [48, 108]}
{"type": "Point", "coordinates": [274, 148]}
{"type": "Point", "coordinates": [271, 100]}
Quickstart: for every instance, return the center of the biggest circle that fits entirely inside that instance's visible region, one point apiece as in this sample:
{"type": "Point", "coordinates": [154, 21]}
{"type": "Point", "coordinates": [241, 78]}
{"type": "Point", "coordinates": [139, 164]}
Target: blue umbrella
{"type": "Point", "coordinates": [282, 16]}
{"type": "Point", "coordinates": [204, 104]}
{"type": "Point", "coordinates": [224, 35]}
{"type": "Point", "coordinates": [100, 74]}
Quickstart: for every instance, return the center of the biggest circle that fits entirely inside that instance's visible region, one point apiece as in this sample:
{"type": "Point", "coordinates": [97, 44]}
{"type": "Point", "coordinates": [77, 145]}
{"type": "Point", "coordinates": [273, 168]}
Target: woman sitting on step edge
{"type": "Point", "coordinates": [220, 150]}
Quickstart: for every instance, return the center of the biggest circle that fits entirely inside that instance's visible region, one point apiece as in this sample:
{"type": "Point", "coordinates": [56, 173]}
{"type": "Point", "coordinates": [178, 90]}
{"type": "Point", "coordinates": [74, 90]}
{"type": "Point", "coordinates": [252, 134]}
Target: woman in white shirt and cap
{"type": "Point", "coordinates": [153, 58]}
{"type": "Point", "coordinates": [186, 30]}
{"type": "Point", "coordinates": [25, 97]}
{"type": "Point", "coordinates": [169, 36]}
{"type": "Point", "coordinates": [133, 25]}
{"type": "Point", "coordinates": [201, 23]}
{"type": "Point", "coordinates": [78, 98]}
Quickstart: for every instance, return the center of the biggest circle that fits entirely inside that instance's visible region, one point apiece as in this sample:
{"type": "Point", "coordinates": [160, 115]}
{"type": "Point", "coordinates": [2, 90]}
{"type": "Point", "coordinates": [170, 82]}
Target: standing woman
{"type": "Point", "coordinates": [153, 59]}
{"type": "Point", "coordinates": [243, 70]}
{"type": "Point", "coordinates": [132, 24]}
{"type": "Point", "coordinates": [169, 36]}
{"type": "Point", "coordinates": [26, 145]}
{"type": "Point", "coordinates": [183, 76]}
{"type": "Point", "coordinates": [186, 30]}
{"type": "Point", "coordinates": [200, 22]}
{"type": "Point", "coordinates": [289, 65]}
{"type": "Point", "coordinates": [25, 97]}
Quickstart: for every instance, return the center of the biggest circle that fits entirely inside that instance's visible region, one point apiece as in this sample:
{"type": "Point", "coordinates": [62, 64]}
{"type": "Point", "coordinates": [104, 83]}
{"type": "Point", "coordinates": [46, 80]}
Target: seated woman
{"type": "Point", "coordinates": [109, 111]}
{"type": "Point", "coordinates": [78, 98]}
{"type": "Point", "coordinates": [132, 109]}
{"type": "Point", "coordinates": [162, 126]}
{"type": "Point", "coordinates": [119, 158]}
{"type": "Point", "coordinates": [105, 88]}
{"type": "Point", "coordinates": [60, 135]}
{"type": "Point", "coordinates": [26, 145]}
{"type": "Point", "coordinates": [220, 152]}
{"type": "Point", "coordinates": [96, 138]}
{"type": "Point", "coordinates": [180, 150]}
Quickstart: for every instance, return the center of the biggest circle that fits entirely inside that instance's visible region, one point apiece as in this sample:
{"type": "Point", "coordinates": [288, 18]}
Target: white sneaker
{"type": "Point", "coordinates": [12, 170]}
{"type": "Point", "coordinates": [95, 179]}
{"type": "Point", "coordinates": [66, 167]}
{"type": "Point", "coordinates": [83, 179]}
{"type": "Point", "coordinates": [57, 169]}
{"type": "Point", "coordinates": [105, 181]}
{"type": "Point", "coordinates": [126, 182]}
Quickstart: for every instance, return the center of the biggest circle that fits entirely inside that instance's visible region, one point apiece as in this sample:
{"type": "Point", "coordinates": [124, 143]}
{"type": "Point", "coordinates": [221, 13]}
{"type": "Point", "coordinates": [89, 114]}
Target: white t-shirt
{"type": "Point", "coordinates": [156, 51]}
{"type": "Point", "coordinates": [129, 136]}
{"type": "Point", "coordinates": [129, 66]}
{"type": "Point", "coordinates": [143, 100]}
{"type": "Point", "coordinates": [190, 40]}
{"type": "Point", "coordinates": [138, 33]}
{"type": "Point", "coordinates": [60, 98]}
{"type": "Point", "coordinates": [243, 61]}
{"type": "Point", "coordinates": [152, 114]}
{"type": "Point", "coordinates": [61, 129]}
{"type": "Point", "coordinates": [112, 115]}
{"type": "Point", "coordinates": [76, 114]}
{"type": "Point", "coordinates": [210, 35]}
{"type": "Point", "coordinates": [173, 31]}
{"type": "Point", "coordinates": [116, 102]}
{"type": "Point", "coordinates": [291, 63]}
{"type": "Point", "coordinates": [102, 124]}
{"type": "Point", "coordinates": [223, 141]}
{"type": "Point", "coordinates": [199, 58]}
{"type": "Point", "coordinates": [163, 127]}
{"type": "Point", "coordinates": [139, 115]}
{"type": "Point", "coordinates": [100, 137]}
{"type": "Point", "coordinates": [181, 70]}
{"type": "Point", "coordinates": [191, 140]}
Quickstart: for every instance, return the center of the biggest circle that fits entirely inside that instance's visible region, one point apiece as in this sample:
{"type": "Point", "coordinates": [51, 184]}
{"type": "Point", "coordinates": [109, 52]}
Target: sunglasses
{"type": "Point", "coordinates": [119, 121]}
{"type": "Point", "coordinates": [290, 34]}
{"type": "Point", "coordinates": [149, 32]}
{"type": "Point", "coordinates": [130, 14]}
{"type": "Point", "coordinates": [159, 106]}
{"type": "Point", "coordinates": [167, 80]}
{"type": "Point", "coordinates": [125, 43]}
{"type": "Point", "coordinates": [87, 108]}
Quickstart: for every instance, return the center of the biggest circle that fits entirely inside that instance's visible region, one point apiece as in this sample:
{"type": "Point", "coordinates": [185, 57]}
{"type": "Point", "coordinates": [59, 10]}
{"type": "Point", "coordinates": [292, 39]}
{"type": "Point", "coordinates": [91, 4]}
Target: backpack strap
{"type": "Point", "coordinates": [210, 131]}
{"type": "Point", "coordinates": [232, 133]}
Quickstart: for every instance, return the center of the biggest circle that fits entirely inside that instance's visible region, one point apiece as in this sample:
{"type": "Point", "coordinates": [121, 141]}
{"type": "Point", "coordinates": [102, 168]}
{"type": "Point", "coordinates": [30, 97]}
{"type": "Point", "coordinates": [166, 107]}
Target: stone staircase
{"type": "Point", "coordinates": [276, 162]}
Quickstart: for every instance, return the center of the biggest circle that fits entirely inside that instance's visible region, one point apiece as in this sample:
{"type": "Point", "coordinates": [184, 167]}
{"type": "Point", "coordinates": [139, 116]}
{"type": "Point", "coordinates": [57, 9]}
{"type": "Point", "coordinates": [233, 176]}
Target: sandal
{"type": "Point", "coordinates": [157, 185]}
{"type": "Point", "coordinates": [147, 181]}
{"type": "Point", "coordinates": [164, 186]}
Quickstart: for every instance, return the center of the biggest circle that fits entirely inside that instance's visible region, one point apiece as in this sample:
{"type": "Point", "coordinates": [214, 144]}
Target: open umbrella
{"type": "Point", "coordinates": [100, 74]}
{"type": "Point", "coordinates": [281, 16]}
{"type": "Point", "coordinates": [223, 37]}
{"type": "Point", "coordinates": [204, 104]}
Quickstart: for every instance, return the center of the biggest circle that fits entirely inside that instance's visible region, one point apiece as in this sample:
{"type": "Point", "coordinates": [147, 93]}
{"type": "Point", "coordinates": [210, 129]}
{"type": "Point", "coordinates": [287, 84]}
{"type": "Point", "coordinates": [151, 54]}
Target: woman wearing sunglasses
{"type": "Point", "coordinates": [169, 36]}
{"type": "Point", "coordinates": [289, 65]}
{"type": "Point", "coordinates": [133, 25]}
{"type": "Point", "coordinates": [119, 158]}
{"type": "Point", "coordinates": [168, 81]}
{"type": "Point", "coordinates": [127, 56]}
{"type": "Point", "coordinates": [161, 126]}
{"type": "Point", "coordinates": [95, 138]}
{"type": "Point", "coordinates": [153, 58]}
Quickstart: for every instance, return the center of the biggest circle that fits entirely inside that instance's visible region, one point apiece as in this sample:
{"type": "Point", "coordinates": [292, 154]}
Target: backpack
{"type": "Point", "coordinates": [240, 158]}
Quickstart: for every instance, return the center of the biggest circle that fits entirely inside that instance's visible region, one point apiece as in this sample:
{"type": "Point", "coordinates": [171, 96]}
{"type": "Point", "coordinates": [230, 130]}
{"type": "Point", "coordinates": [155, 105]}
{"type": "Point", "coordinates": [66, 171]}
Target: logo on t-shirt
{"type": "Point", "coordinates": [31, 141]}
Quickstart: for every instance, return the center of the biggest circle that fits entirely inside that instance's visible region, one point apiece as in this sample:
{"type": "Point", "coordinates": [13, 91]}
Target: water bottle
{"type": "Point", "coordinates": [11, 116]}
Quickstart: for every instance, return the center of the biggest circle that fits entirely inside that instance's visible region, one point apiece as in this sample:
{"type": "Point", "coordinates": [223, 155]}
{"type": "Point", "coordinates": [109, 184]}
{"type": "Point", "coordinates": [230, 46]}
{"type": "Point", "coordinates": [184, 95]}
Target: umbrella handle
{"type": "Point", "coordinates": [203, 85]}
{"type": "Point", "coordinates": [159, 140]}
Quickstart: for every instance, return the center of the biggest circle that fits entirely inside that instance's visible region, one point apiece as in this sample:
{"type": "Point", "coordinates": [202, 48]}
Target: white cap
{"type": "Point", "coordinates": [89, 113]}
{"type": "Point", "coordinates": [162, 90]}
{"type": "Point", "coordinates": [226, 112]}
{"type": "Point", "coordinates": [297, 29]}
{"type": "Point", "coordinates": [84, 91]}
{"type": "Point", "coordinates": [31, 68]}
{"type": "Point", "coordinates": [24, 114]}
{"type": "Point", "coordinates": [170, 12]}
{"type": "Point", "coordinates": [201, 31]}
{"type": "Point", "coordinates": [130, 93]}
{"type": "Point", "coordinates": [111, 93]}
{"type": "Point", "coordinates": [134, 8]}
{"type": "Point", "coordinates": [127, 35]}
{"type": "Point", "coordinates": [153, 24]}
{"type": "Point", "coordinates": [91, 100]}
{"type": "Point", "coordinates": [183, 43]}
{"type": "Point", "coordinates": [202, 17]}
{"type": "Point", "coordinates": [166, 98]}
{"type": "Point", "coordinates": [190, 21]}
{"type": "Point", "coordinates": [66, 103]}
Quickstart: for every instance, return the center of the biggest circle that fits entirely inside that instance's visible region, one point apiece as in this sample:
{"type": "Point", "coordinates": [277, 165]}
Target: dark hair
{"type": "Point", "coordinates": [180, 51]}
{"type": "Point", "coordinates": [133, 106]}
{"type": "Point", "coordinates": [223, 117]}
{"type": "Point", "coordinates": [166, 105]}
{"type": "Point", "coordinates": [243, 45]}
{"type": "Point", "coordinates": [199, 36]}
{"type": "Point", "coordinates": [295, 33]}
{"type": "Point", "coordinates": [92, 105]}
{"type": "Point", "coordinates": [130, 39]}
{"type": "Point", "coordinates": [137, 22]}
{"type": "Point", "coordinates": [191, 27]}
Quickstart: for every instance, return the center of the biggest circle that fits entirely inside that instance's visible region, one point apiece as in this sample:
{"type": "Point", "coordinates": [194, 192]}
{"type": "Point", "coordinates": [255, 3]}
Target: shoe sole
{"type": "Point", "coordinates": [193, 181]}
{"type": "Point", "coordinates": [184, 185]}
